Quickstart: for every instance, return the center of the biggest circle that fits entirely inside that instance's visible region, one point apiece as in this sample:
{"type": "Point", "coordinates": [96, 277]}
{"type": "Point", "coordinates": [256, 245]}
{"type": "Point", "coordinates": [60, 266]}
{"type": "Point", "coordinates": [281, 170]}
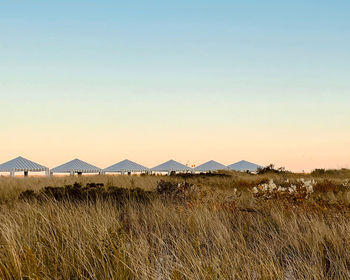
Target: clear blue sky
{"type": "Point", "coordinates": [267, 81]}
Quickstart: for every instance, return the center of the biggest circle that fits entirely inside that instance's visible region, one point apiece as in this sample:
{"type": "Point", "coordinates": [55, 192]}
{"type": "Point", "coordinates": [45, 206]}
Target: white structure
{"type": "Point", "coordinates": [76, 166]}
{"type": "Point", "coordinates": [244, 166]}
{"type": "Point", "coordinates": [126, 166]}
{"type": "Point", "coordinates": [171, 166]}
{"type": "Point", "coordinates": [210, 166]}
{"type": "Point", "coordinates": [21, 164]}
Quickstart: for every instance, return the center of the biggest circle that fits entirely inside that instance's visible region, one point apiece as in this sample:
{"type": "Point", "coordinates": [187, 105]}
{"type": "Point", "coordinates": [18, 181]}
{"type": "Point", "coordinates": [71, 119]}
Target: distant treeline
{"type": "Point", "coordinates": [340, 173]}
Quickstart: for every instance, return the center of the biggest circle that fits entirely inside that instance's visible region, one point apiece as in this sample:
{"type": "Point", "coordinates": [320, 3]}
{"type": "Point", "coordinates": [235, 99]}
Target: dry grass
{"type": "Point", "coordinates": [10, 188]}
{"type": "Point", "coordinates": [215, 234]}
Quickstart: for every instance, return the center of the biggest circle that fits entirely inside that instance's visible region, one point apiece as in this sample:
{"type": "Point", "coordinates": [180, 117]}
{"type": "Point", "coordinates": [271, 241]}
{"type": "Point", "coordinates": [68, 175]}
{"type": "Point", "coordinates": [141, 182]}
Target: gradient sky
{"type": "Point", "coordinates": [265, 81]}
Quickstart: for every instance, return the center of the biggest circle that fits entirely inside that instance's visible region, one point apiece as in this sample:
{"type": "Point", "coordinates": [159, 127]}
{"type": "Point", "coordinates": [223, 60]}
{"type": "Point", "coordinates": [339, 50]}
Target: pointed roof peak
{"type": "Point", "coordinates": [21, 164]}
{"type": "Point", "coordinates": [171, 165]}
{"type": "Point", "coordinates": [244, 165]}
{"type": "Point", "coordinates": [126, 166]}
{"type": "Point", "coordinates": [171, 160]}
{"type": "Point", "coordinates": [210, 165]}
{"type": "Point", "coordinates": [76, 165]}
{"type": "Point", "coordinates": [213, 161]}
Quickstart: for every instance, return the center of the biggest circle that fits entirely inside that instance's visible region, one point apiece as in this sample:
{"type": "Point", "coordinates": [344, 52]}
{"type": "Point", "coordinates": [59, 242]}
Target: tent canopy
{"type": "Point", "coordinates": [244, 166]}
{"type": "Point", "coordinates": [21, 164]}
{"type": "Point", "coordinates": [126, 166]}
{"type": "Point", "coordinates": [76, 166]}
{"type": "Point", "coordinates": [170, 166]}
{"type": "Point", "coordinates": [210, 166]}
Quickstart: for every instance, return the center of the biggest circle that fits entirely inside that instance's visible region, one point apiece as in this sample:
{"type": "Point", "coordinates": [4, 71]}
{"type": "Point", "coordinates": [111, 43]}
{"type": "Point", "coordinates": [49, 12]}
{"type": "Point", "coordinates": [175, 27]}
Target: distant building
{"type": "Point", "coordinates": [21, 164]}
{"type": "Point", "coordinates": [171, 166]}
{"type": "Point", "coordinates": [244, 166]}
{"type": "Point", "coordinates": [126, 166]}
{"type": "Point", "coordinates": [76, 166]}
{"type": "Point", "coordinates": [210, 166]}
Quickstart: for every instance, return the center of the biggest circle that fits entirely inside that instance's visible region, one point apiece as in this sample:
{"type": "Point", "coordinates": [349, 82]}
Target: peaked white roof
{"type": "Point", "coordinates": [244, 166]}
{"type": "Point", "coordinates": [126, 166]}
{"type": "Point", "coordinates": [171, 165]}
{"type": "Point", "coordinates": [76, 165]}
{"type": "Point", "coordinates": [210, 166]}
{"type": "Point", "coordinates": [21, 164]}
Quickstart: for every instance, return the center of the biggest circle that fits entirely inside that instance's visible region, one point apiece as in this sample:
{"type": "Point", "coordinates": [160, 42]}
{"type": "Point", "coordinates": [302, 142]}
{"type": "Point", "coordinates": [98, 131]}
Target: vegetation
{"type": "Point", "coordinates": [276, 225]}
{"type": "Point", "coordinates": [342, 173]}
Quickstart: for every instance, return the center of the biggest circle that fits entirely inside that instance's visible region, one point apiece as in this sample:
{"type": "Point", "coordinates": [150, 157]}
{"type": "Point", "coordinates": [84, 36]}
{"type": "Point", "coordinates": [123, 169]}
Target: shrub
{"type": "Point", "coordinates": [91, 193]}
{"type": "Point", "coordinates": [175, 190]}
{"type": "Point", "coordinates": [334, 173]}
{"type": "Point", "coordinates": [271, 169]}
{"type": "Point", "coordinates": [202, 175]}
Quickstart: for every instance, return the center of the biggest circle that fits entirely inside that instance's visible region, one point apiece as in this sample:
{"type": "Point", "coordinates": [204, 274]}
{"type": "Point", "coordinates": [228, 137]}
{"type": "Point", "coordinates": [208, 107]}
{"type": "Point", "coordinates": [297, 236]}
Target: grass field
{"type": "Point", "coordinates": [228, 226]}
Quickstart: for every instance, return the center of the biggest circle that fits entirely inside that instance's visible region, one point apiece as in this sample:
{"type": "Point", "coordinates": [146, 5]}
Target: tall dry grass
{"type": "Point", "coordinates": [254, 239]}
{"type": "Point", "coordinates": [164, 241]}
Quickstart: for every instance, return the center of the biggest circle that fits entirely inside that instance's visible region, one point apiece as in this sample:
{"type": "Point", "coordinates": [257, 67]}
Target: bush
{"type": "Point", "coordinates": [91, 193]}
{"type": "Point", "coordinates": [271, 169]}
{"type": "Point", "coordinates": [334, 173]}
{"type": "Point", "coordinates": [174, 190]}
{"type": "Point", "coordinates": [202, 175]}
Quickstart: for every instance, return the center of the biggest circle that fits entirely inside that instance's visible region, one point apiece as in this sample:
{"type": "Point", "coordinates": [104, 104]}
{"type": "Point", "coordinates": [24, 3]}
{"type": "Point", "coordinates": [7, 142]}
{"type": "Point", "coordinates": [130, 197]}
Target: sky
{"type": "Point", "coordinates": [264, 81]}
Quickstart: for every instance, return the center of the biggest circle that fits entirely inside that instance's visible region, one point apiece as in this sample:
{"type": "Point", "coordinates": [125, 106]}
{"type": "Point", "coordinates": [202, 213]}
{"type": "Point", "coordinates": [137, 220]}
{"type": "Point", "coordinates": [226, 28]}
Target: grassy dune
{"type": "Point", "coordinates": [216, 229]}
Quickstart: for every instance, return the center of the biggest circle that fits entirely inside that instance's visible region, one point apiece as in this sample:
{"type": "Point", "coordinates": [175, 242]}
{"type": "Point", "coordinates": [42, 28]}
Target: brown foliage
{"type": "Point", "coordinates": [204, 228]}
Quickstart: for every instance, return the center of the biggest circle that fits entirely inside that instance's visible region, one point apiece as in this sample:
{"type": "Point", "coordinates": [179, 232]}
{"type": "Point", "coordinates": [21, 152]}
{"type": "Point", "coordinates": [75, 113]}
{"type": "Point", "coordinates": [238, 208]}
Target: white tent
{"type": "Point", "coordinates": [171, 166]}
{"type": "Point", "coordinates": [76, 166]}
{"type": "Point", "coordinates": [126, 166]}
{"type": "Point", "coordinates": [244, 166]}
{"type": "Point", "coordinates": [21, 164]}
{"type": "Point", "coordinates": [210, 166]}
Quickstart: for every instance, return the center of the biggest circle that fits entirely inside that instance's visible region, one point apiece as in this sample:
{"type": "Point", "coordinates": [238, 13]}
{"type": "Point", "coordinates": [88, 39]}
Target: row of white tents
{"type": "Point", "coordinates": [79, 167]}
